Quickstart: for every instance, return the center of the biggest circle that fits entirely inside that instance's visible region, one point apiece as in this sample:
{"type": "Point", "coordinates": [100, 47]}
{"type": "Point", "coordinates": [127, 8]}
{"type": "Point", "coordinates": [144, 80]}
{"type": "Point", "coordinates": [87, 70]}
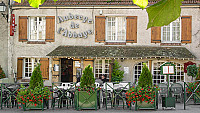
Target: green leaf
{"type": "Point", "coordinates": [36, 3]}
{"type": "Point", "coordinates": [141, 3]}
{"type": "Point", "coordinates": [163, 12]}
{"type": "Point", "coordinates": [19, 1]}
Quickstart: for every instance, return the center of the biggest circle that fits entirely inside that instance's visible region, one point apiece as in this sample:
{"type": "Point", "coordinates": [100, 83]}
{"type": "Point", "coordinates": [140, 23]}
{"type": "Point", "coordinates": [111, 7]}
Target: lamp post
{"type": "Point", "coordinates": [3, 9]}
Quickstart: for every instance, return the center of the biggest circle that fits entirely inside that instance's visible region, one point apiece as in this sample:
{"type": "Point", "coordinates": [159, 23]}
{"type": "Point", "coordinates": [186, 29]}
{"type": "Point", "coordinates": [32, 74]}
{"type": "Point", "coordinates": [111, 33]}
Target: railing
{"type": "Point", "coordinates": [114, 95]}
{"type": "Point", "coordinates": [191, 92]}
{"type": "Point", "coordinates": [8, 94]}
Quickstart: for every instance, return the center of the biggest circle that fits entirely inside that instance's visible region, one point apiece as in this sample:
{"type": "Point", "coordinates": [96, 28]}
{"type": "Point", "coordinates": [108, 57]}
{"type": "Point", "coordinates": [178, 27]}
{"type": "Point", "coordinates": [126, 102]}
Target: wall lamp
{"type": "Point", "coordinates": [3, 9]}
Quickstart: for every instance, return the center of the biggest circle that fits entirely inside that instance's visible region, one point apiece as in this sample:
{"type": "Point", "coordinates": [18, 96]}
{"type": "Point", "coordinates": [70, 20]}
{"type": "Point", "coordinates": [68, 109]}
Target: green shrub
{"type": "Point", "coordinates": [36, 78]}
{"type": "Point", "coordinates": [192, 70]}
{"type": "Point", "coordinates": [145, 78]}
{"type": "Point", "coordinates": [117, 74]}
{"type": "Point", "coordinates": [87, 79]}
{"type": "Point", "coordinates": [2, 74]}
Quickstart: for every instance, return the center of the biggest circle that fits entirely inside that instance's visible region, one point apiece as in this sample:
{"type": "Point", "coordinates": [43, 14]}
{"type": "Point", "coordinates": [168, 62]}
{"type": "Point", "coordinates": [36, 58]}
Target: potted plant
{"type": "Point", "coordinates": [86, 93]}
{"type": "Point", "coordinates": [36, 95]}
{"type": "Point", "coordinates": [192, 71]}
{"type": "Point", "coordinates": [144, 95]}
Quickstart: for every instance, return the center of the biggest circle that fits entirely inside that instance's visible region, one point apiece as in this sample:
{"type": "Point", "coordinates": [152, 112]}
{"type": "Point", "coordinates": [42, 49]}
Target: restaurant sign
{"type": "Point", "coordinates": [67, 33]}
{"type": "Point", "coordinates": [167, 69]}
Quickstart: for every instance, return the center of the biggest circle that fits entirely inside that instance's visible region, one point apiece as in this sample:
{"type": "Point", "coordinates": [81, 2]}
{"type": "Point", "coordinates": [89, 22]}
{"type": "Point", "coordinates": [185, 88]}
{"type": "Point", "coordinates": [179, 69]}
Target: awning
{"type": "Point", "coordinates": [121, 52]}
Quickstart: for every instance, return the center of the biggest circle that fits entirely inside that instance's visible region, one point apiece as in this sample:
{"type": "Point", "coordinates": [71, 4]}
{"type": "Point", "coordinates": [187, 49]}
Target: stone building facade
{"type": "Point", "coordinates": [4, 39]}
{"type": "Point", "coordinates": [67, 36]}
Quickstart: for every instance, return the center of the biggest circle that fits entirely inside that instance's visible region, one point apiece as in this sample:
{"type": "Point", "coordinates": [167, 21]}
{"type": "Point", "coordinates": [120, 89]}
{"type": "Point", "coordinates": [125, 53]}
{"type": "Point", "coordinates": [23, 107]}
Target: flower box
{"type": "Point", "coordinates": [31, 106]}
{"type": "Point", "coordinates": [85, 100]}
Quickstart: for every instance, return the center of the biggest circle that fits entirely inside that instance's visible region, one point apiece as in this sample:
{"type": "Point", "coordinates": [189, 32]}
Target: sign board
{"type": "Point", "coordinates": [167, 69]}
{"type": "Point", "coordinates": [126, 70]}
{"type": "Point", "coordinates": [77, 64]}
{"type": "Point", "coordinates": [12, 25]}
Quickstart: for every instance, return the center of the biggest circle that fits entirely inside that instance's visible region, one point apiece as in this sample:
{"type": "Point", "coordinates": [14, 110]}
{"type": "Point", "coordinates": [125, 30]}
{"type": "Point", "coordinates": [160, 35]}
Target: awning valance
{"type": "Point", "coordinates": [122, 52]}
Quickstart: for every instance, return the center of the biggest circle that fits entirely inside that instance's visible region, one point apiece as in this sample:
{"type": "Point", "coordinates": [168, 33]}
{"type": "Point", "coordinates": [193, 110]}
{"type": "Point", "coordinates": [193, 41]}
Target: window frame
{"type": "Point", "coordinates": [103, 67]}
{"type": "Point", "coordinates": [171, 32]}
{"type": "Point", "coordinates": [32, 66]}
{"type": "Point", "coordinates": [29, 28]}
{"type": "Point", "coordinates": [116, 36]}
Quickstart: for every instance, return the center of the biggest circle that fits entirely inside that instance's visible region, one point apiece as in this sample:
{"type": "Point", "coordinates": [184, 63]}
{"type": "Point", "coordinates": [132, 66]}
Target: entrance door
{"type": "Point", "coordinates": [66, 70]}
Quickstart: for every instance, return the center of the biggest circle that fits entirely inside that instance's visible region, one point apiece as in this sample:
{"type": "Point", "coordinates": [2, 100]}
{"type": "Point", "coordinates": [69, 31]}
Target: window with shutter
{"type": "Point", "coordinates": [19, 68]}
{"type": "Point", "coordinates": [36, 29]}
{"type": "Point", "coordinates": [23, 28]}
{"type": "Point", "coordinates": [44, 68]}
{"type": "Point", "coordinates": [186, 29]}
{"type": "Point", "coordinates": [131, 29]}
{"type": "Point", "coordinates": [100, 28]}
{"type": "Point", "coordinates": [172, 32]}
{"type": "Point", "coordinates": [115, 29]}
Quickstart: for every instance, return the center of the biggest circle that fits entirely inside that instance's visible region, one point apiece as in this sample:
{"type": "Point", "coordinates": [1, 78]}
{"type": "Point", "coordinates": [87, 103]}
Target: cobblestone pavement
{"type": "Point", "coordinates": [179, 109]}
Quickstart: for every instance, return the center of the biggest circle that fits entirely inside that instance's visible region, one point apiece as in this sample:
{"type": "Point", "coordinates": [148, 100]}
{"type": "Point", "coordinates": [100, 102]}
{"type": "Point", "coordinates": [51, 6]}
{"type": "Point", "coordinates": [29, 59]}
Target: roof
{"type": "Point", "coordinates": [121, 52]}
{"type": "Point", "coordinates": [95, 2]}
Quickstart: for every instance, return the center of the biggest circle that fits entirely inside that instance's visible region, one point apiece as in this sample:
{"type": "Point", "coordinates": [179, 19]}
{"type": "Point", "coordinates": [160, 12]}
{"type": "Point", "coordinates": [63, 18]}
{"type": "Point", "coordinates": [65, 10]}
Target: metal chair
{"type": "Point", "coordinates": [177, 91]}
{"type": "Point", "coordinates": [163, 91]}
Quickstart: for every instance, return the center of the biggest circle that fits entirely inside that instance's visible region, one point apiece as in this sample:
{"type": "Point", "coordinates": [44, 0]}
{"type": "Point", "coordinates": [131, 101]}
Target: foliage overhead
{"type": "Point", "coordinates": [36, 78]}
{"type": "Point", "coordinates": [87, 78]}
{"type": "Point", "coordinates": [141, 3]}
{"type": "Point", "coordinates": [117, 74]}
{"type": "Point", "coordinates": [160, 14]}
{"type": "Point", "coordinates": [145, 78]}
{"type": "Point", "coordinates": [163, 12]}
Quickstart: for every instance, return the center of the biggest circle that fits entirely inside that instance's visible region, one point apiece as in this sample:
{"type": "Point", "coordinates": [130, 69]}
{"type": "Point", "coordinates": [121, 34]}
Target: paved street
{"type": "Point", "coordinates": [179, 109]}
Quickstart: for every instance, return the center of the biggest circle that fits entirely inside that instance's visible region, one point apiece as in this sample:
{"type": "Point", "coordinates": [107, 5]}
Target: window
{"type": "Point", "coordinates": [172, 32]}
{"type": "Point", "coordinates": [138, 70]}
{"type": "Point", "coordinates": [102, 67]}
{"type": "Point", "coordinates": [37, 28]}
{"type": "Point", "coordinates": [158, 78]}
{"type": "Point", "coordinates": [116, 29]}
{"type": "Point", "coordinates": [29, 65]}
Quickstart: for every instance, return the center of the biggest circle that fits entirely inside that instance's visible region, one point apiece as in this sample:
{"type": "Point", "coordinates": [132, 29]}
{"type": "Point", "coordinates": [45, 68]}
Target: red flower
{"type": "Point", "coordinates": [30, 100]}
{"type": "Point", "coordinates": [17, 89]}
{"type": "Point", "coordinates": [23, 103]}
{"type": "Point", "coordinates": [31, 94]}
{"type": "Point", "coordinates": [27, 97]}
{"type": "Point", "coordinates": [128, 104]}
{"type": "Point", "coordinates": [142, 89]}
{"type": "Point", "coordinates": [35, 104]}
{"type": "Point", "coordinates": [19, 107]}
{"type": "Point", "coordinates": [134, 101]}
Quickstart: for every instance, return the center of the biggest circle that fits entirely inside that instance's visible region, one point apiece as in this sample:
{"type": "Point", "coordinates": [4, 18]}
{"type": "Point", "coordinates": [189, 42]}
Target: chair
{"type": "Point", "coordinates": [177, 90]}
{"type": "Point", "coordinates": [163, 91]}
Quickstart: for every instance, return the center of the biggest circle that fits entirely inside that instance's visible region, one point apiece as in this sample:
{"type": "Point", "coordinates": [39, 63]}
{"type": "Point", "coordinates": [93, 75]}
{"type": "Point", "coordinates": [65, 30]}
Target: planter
{"type": "Point", "coordinates": [168, 102]}
{"type": "Point", "coordinates": [41, 106]}
{"type": "Point", "coordinates": [145, 105]}
{"type": "Point", "coordinates": [85, 101]}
